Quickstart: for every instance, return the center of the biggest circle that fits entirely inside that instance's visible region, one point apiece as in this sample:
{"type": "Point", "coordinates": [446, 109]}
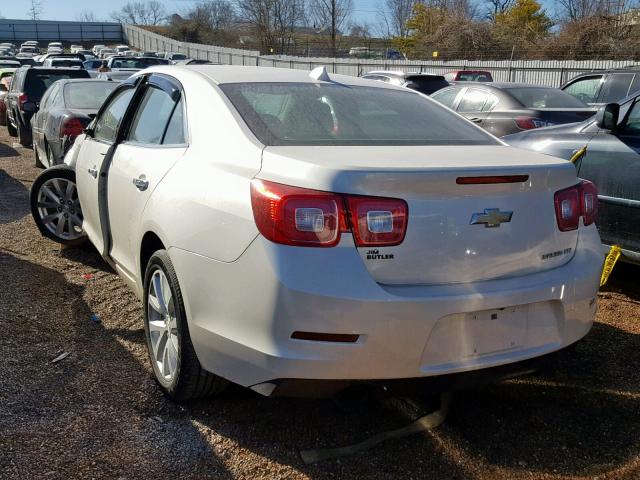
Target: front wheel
{"type": "Point", "coordinates": [173, 359]}
{"type": "Point", "coordinates": [55, 206]}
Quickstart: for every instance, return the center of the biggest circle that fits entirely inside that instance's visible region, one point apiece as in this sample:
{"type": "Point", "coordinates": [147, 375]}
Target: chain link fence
{"type": "Point", "coordinates": [553, 73]}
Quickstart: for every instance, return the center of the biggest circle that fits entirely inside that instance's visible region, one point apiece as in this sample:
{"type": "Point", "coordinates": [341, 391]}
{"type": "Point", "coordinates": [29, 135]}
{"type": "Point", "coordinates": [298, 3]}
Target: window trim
{"type": "Point", "coordinates": [175, 90]}
{"type": "Point", "coordinates": [121, 88]}
{"type": "Point", "coordinates": [586, 77]}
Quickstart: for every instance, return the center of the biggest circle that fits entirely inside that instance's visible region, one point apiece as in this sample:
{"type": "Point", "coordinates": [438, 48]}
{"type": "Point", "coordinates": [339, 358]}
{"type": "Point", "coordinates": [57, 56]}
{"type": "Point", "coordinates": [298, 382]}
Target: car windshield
{"type": "Point", "coordinates": [311, 114]}
{"type": "Point", "coordinates": [66, 63]}
{"type": "Point", "coordinates": [133, 62]}
{"type": "Point", "coordinates": [87, 94]}
{"type": "Point", "coordinates": [541, 97]}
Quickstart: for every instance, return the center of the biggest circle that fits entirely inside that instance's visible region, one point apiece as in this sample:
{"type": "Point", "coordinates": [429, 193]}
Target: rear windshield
{"type": "Point", "coordinates": [426, 84]}
{"type": "Point", "coordinates": [540, 97]}
{"type": "Point", "coordinates": [475, 77]}
{"type": "Point", "coordinates": [312, 114]}
{"type": "Point", "coordinates": [87, 95]}
{"type": "Point", "coordinates": [178, 56]}
{"type": "Point", "coordinates": [38, 81]}
{"type": "Point", "coordinates": [134, 62]}
{"type": "Point", "coordinates": [66, 63]}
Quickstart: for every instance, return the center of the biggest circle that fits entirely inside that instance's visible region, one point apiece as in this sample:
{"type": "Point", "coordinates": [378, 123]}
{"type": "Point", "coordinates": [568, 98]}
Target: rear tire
{"type": "Point", "coordinates": [39, 163]}
{"type": "Point", "coordinates": [55, 206]}
{"type": "Point", "coordinates": [24, 137]}
{"type": "Point", "coordinates": [11, 129]}
{"type": "Point", "coordinates": [175, 364]}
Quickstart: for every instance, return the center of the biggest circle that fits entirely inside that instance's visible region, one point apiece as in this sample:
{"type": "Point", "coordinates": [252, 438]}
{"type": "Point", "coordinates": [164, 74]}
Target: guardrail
{"type": "Point", "coordinates": [544, 72]}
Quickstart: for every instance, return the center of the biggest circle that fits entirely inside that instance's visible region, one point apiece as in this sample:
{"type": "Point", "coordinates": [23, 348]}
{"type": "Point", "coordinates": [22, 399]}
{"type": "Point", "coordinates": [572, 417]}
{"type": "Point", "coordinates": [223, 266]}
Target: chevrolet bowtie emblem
{"type": "Point", "coordinates": [492, 217]}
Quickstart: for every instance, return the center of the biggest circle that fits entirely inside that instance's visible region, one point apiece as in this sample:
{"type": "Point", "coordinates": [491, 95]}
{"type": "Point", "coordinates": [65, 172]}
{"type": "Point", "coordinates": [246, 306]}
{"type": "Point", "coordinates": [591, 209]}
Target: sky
{"type": "Point", "coordinates": [365, 11]}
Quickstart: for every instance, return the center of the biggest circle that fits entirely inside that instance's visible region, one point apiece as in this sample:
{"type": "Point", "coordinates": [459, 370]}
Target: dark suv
{"type": "Point", "coordinates": [602, 87]}
{"type": "Point", "coordinates": [27, 88]}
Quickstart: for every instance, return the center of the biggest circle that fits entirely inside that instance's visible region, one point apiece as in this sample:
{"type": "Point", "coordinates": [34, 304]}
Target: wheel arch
{"type": "Point", "coordinates": [151, 243]}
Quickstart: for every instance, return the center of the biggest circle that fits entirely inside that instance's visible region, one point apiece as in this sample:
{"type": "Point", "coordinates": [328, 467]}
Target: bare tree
{"type": "Point", "coordinates": [496, 7]}
{"type": "Point", "coordinates": [273, 21]}
{"type": "Point", "coordinates": [213, 14]}
{"type": "Point", "coordinates": [395, 14]}
{"type": "Point", "coordinates": [149, 12]}
{"type": "Point", "coordinates": [331, 16]}
{"type": "Point", "coordinates": [86, 16]}
{"type": "Point", "coordinates": [35, 10]}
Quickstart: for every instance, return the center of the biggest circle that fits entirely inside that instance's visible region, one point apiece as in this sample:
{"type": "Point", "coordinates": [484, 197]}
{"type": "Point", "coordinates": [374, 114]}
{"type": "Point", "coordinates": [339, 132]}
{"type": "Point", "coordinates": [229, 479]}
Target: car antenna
{"type": "Point", "coordinates": [320, 73]}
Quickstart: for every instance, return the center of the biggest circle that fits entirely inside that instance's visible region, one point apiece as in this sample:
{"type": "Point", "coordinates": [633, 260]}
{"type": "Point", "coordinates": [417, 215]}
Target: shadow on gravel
{"type": "Point", "coordinates": [624, 280]}
{"type": "Point", "coordinates": [97, 413]}
{"type": "Point", "coordinates": [580, 416]}
{"type": "Point", "coordinates": [86, 255]}
{"type": "Point", "coordinates": [7, 151]}
{"type": "Point", "coordinates": [14, 202]}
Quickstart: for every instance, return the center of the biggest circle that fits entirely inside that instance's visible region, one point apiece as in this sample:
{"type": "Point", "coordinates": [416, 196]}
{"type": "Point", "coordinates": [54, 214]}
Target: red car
{"type": "Point", "coordinates": [468, 76]}
{"type": "Point", "coordinates": [5, 83]}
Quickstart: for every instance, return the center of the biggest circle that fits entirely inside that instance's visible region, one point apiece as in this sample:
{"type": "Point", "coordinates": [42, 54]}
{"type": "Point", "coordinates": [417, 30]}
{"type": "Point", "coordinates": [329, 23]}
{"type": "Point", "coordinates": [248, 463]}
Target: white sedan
{"type": "Point", "coordinates": [296, 232]}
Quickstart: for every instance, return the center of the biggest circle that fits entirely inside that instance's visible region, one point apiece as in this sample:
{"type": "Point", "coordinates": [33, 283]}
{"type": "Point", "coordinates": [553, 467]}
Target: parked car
{"type": "Point", "coordinates": [340, 229]}
{"type": "Point", "coordinates": [426, 83]}
{"type": "Point", "coordinates": [72, 56]}
{"type": "Point", "coordinates": [29, 50]}
{"type": "Point", "coordinates": [135, 62]}
{"type": "Point", "coordinates": [96, 49]}
{"type": "Point", "coordinates": [9, 63]}
{"type": "Point", "coordinates": [194, 61]}
{"type": "Point", "coordinates": [173, 56]}
{"type": "Point", "coordinates": [27, 88]}
{"type": "Point", "coordinates": [117, 75]}
{"type": "Point", "coordinates": [612, 161]}
{"type": "Point", "coordinates": [66, 109]}
{"type": "Point", "coordinates": [505, 108]}
{"type": "Point", "coordinates": [63, 62]}
{"type": "Point", "coordinates": [92, 64]}
{"type": "Point", "coordinates": [607, 86]}
{"type": "Point", "coordinates": [106, 53]}
{"type": "Point", "coordinates": [120, 49]}
{"type": "Point", "coordinates": [76, 48]}
{"type": "Point", "coordinates": [5, 84]}
{"type": "Point", "coordinates": [468, 76]}
{"type": "Point", "coordinates": [88, 54]}
{"type": "Point", "coordinates": [21, 60]}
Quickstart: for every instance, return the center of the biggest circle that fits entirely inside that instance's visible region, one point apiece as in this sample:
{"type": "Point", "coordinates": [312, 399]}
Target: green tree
{"type": "Point", "coordinates": [523, 24]}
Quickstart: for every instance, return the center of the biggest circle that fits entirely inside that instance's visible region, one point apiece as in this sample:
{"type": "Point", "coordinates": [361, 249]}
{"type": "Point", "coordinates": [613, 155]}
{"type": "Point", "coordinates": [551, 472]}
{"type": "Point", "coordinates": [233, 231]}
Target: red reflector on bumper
{"type": "Point", "coordinates": [326, 337]}
{"type": "Point", "coordinates": [492, 179]}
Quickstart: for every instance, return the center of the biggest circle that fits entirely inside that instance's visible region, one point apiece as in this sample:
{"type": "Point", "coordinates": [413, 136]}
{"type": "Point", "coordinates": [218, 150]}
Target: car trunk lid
{"type": "Point", "coordinates": [457, 231]}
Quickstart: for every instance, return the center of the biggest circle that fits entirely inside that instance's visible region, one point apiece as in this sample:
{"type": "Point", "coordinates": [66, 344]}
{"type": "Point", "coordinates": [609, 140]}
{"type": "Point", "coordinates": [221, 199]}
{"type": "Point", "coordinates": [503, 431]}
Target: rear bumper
{"type": "Point", "coordinates": [242, 315]}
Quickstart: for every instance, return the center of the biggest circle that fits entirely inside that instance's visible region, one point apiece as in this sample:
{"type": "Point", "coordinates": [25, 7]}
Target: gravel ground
{"type": "Point", "coordinates": [99, 414]}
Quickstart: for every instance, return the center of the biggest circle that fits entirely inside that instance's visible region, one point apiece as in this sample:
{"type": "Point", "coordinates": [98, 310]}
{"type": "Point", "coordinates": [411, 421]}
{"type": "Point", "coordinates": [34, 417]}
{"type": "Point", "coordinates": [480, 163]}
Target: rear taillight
{"type": "Point", "coordinates": [377, 221]}
{"type": "Point", "coordinates": [312, 218]}
{"type": "Point", "coordinates": [529, 123]}
{"type": "Point", "coordinates": [71, 127]}
{"type": "Point", "coordinates": [22, 99]}
{"type": "Point", "coordinates": [581, 200]}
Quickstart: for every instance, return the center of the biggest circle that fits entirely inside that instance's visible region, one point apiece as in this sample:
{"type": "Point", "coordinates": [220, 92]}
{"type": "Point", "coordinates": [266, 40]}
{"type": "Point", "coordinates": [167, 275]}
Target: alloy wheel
{"type": "Point", "coordinates": [163, 328]}
{"type": "Point", "coordinates": [59, 208]}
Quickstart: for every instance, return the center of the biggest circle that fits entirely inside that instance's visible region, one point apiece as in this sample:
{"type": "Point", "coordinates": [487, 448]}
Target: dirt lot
{"type": "Point", "coordinates": [98, 413]}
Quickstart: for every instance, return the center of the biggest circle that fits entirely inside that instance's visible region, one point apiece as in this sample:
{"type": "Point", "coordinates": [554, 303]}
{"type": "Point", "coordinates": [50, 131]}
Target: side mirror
{"type": "Point", "coordinates": [607, 116]}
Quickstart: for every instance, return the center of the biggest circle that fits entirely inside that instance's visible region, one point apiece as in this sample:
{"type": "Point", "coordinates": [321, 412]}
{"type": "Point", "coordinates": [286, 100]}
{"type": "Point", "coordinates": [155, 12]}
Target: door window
{"type": "Point", "coordinates": [446, 97]}
{"type": "Point", "coordinates": [473, 100]}
{"type": "Point", "coordinates": [152, 117]}
{"type": "Point", "coordinates": [175, 130]}
{"type": "Point", "coordinates": [107, 125]}
{"type": "Point", "coordinates": [48, 97]}
{"type": "Point", "coordinates": [585, 89]}
{"type": "Point", "coordinates": [632, 125]}
{"type": "Point", "coordinates": [616, 87]}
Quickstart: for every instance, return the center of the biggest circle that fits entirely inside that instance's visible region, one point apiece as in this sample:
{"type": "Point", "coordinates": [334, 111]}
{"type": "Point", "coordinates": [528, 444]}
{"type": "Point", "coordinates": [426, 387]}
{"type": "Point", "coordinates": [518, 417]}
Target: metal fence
{"type": "Point", "coordinates": [67, 32]}
{"type": "Point", "coordinates": [543, 72]}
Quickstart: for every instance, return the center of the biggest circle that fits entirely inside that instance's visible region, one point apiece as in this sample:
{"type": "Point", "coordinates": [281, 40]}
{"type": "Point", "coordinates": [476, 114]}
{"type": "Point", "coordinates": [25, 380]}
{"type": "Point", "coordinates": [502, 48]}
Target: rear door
{"type": "Point", "coordinates": [612, 162]}
{"type": "Point", "coordinates": [616, 87]}
{"type": "Point", "coordinates": [586, 89]}
{"type": "Point", "coordinates": [155, 141]}
{"type": "Point", "coordinates": [476, 104]}
{"type": "Point", "coordinates": [91, 167]}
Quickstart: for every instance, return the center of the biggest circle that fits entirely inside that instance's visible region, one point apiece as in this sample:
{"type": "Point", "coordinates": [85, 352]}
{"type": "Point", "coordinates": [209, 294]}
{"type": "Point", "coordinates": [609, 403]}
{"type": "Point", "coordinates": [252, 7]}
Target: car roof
{"type": "Point", "coordinates": [221, 74]}
{"type": "Point", "coordinates": [400, 73]}
{"type": "Point", "coordinates": [501, 85]}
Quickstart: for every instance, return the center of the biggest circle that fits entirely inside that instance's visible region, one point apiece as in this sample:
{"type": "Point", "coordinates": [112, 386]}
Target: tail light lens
{"type": "Point", "coordinates": [312, 218]}
{"type": "Point", "coordinates": [529, 123]}
{"type": "Point", "coordinates": [71, 127]}
{"type": "Point", "coordinates": [22, 99]}
{"type": "Point", "coordinates": [377, 221]}
{"type": "Point", "coordinates": [581, 200]}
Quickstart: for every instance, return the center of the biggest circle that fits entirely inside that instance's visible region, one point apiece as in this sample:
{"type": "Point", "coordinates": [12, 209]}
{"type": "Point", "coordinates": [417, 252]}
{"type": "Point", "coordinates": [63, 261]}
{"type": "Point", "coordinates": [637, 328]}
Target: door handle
{"type": "Point", "coordinates": [141, 183]}
{"type": "Point", "coordinates": [476, 120]}
{"type": "Point", "coordinates": [93, 171]}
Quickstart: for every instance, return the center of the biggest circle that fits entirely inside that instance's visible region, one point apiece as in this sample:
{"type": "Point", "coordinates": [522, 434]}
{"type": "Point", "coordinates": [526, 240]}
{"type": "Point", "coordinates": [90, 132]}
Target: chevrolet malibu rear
{"type": "Point", "coordinates": [337, 230]}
